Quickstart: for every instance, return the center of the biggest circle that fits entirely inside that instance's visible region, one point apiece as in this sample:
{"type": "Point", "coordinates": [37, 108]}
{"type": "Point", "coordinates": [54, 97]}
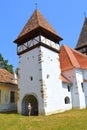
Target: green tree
{"type": "Point", "coordinates": [4, 64]}
{"type": "Point", "coordinates": [16, 71]}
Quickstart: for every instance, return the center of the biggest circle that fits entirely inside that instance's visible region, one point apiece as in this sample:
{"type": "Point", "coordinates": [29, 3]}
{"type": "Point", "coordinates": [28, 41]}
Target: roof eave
{"type": "Point", "coordinates": [14, 84]}
{"type": "Point", "coordinates": [35, 32]}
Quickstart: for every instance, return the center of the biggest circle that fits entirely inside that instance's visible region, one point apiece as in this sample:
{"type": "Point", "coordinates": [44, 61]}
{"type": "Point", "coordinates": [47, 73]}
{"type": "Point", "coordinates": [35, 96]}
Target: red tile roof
{"type": "Point", "coordinates": [64, 79]}
{"type": "Point", "coordinates": [70, 58]}
{"type": "Point", "coordinates": [6, 77]}
{"type": "Point", "coordinates": [85, 80]}
{"type": "Point", "coordinates": [37, 20]}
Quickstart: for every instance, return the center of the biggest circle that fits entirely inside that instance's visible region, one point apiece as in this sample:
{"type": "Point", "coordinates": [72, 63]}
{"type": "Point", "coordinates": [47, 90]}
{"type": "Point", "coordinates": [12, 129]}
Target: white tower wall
{"type": "Point", "coordinates": [29, 67]}
{"type": "Point", "coordinates": [52, 85]}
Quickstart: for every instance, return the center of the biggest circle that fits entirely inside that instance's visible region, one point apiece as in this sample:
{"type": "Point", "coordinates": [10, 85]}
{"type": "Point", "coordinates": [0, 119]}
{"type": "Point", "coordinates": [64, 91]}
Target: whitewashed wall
{"type": "Point", "coordinates": [81, 94]}
{"type": "Point", "coordinates": [29, 66]}
{"type": "Point", "coordinates": [85, 84]}
{"type": "Point", "coordinates": [70, 74]}
{"type": "Point", "coordinates": [76, 77]}
{"type": "Point", "coordinates": [53, 86]}
{"type": "Point", "coordinates": [43, 66]}
{"type": "Point", "coordinates": [8, 107]}
{"type": "Point", "coordinates": [67, 93]}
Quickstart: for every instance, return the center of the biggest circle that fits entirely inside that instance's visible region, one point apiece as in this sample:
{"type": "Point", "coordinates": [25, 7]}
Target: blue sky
{"type": "Point", "coordinates": [66, 17]}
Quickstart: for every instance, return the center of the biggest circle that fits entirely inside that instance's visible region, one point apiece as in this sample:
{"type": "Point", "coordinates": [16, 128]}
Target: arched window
{"type": "Point", "coordinates": [67, 100]}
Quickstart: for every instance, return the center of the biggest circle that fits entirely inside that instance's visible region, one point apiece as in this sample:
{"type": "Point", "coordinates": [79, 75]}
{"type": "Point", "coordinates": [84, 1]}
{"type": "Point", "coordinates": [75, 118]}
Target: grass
{"type": "Point", "coordinates": [70, 120]}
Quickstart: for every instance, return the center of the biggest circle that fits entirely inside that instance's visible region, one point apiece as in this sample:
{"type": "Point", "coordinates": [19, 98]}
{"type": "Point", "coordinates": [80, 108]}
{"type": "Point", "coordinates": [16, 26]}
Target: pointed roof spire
{"type": "Point", "coordinates": [82, 41]}
{"type": "Point", "coordinates": [37, 22]}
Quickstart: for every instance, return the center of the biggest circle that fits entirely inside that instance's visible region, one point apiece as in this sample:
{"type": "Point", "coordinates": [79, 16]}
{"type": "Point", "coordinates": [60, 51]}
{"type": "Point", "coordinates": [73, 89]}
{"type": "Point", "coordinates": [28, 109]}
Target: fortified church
{"type": "Point", "coordinates": [51, 77]}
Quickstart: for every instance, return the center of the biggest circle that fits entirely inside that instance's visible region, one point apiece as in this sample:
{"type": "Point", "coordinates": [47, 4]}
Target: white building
{"type": "Point", "coordinates": [51, 78]}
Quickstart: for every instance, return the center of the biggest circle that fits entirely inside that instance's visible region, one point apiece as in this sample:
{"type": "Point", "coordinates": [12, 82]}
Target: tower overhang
{"type": "Point", "coordinates": [36, 32]}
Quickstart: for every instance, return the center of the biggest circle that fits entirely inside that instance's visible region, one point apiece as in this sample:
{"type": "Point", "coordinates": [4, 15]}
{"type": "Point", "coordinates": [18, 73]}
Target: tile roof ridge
{"type": "Point", "coordinates": [6, 77]}
{"type": "Point", "coordinates": [75, 56]}
{"type": "Point", "coordinates": [70, 50]}
{"type": "Point", "coordinates": [81, 58]}
{"type": "Point", "coordinates": [37, 15]}
{"type": "Point", "coordinates": [4, 70]}
{"type": "Point", "coordinates": [41, 18]}
{"type": "Point", "coordinates": [1, 69]}
{"type": "Point", "coordinates": [65, 47]}
{"type": "Point", "coordinates": [66, 79]}
{"type": "Point", "coordinates": [79, 53]}
{"type": "Point", "coordinates": [35, 22]}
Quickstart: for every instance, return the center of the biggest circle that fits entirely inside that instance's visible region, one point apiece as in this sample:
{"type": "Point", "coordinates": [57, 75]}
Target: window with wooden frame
{"type": "Point", "coordinates": [12, 97]}
{"type": "Point", "coordinates": [68, 88]}
{"type": "Point", "coordinates": [82, 86]}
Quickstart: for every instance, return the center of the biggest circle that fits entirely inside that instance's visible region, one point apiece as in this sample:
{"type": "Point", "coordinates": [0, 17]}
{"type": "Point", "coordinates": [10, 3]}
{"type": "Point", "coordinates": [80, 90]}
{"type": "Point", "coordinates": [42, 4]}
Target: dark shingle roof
{"type": "Point", "coordinates": [82, 41]}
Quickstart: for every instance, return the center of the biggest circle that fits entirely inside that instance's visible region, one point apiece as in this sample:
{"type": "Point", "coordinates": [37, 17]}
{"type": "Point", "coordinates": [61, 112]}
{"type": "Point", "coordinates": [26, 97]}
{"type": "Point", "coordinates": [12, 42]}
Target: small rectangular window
{"type": "Point", "coordinates": [68, 88]}
{"type": "Point", "coordinates": [31, 78]}
{"type": "Point", "coordinates": [12, 96]}
{"type": "Point", "coordinates": [82, 86]}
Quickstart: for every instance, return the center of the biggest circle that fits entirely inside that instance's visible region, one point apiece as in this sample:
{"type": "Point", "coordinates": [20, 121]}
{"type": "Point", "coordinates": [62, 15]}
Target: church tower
{"type": "Point", "coordinates": [39, 68]}
{"type": "Point", "coordinates": [82, 41]}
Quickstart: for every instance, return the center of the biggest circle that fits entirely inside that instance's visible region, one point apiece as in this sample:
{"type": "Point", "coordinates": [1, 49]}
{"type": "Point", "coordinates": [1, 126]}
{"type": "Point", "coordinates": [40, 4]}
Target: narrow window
{"type": "Point", "coordinates": [68, 88]}
{"type": "Point", "coordinates": [67, 100]}
{"type": "Point", "coordinates": [12, 96]}
{"type": "Point", "coordinates": [82, 86]}
{"type": "Point", "coordinates": [48, 76]}
{"type": "Point", "coordinates": [31, 78]}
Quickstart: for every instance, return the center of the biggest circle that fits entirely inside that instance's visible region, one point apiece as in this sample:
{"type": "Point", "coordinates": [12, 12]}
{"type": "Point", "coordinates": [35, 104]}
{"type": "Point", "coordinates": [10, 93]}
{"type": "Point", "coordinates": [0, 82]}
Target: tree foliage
{"type": "Point", "coordinates": [4, 64]}
{"type": "Point", "coordinates": [16, 71]}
